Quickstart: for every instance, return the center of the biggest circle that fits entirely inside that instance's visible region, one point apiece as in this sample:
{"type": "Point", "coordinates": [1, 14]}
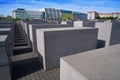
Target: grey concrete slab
{"type": "Point", "coordinates": [99, 64]}
{"type": "Point", "coordinates": [25, 27]}
{"type": "Point", "coordinates": [5, 29]}
{"type": "Point", "coordinates": [78, 23]}
{"type": "Point", "coordinates": [108, 33]}
{"type": "Point", "coordinates": [5, 45]}
{"type": "Point", "coordinates": [5, 41]}
{"type": "Point", "coordinates": [70, 23]}
{"type": "Point", "coordinates": [5, 21]}
{"type": "Point", "coordinates": [3, 38]}
{"type": "Point", "coordinates": [32, 32]}
{"type": "Point", "coordinates": [3, 57]}
{"type": "Point", "coordinates": [84, 23]}
{"type": "Point", "coordinates": [5, 60]}
{"type": "Point", "coordinates": [58, 42]}
{"type": "Point", "coordinates": [5, 25]}
{"type": "Point", "coordinates": [5, 73]}
{"type": "Point", "coordinates": [25, 24]}
{"type": "Point", "coordinates": [64, 22]}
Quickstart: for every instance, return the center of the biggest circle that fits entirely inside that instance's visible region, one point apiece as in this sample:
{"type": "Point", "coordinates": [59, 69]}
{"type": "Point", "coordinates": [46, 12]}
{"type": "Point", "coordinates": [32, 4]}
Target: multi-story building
{"type": "Point", "coordinates": [34, 15]}
{"type": "Point", "coordinates": [117, 14]}
{"type": "Point", "coordinates": [105, 15]}
{"type": "Point", "coordinates": [23, 14]}
{"type": "Point", "coordinates": [51, 14]}
{"type": "Point", "coordinates": [19, 13]}
{"type": "Point", "coordinates": [93, 15]}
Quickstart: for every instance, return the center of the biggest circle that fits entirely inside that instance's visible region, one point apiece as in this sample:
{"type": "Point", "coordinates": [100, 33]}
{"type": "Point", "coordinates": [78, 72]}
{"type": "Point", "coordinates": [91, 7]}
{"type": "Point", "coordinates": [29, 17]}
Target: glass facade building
{"type": "Point", "coordinates": [19, 13]}
{"type": "Point", "coordinates": [23, 14]}
{"type": "Point", "coordinates": [50, 13]}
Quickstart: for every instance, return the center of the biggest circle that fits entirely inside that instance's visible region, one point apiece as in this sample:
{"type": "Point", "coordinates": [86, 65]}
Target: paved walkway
{"type": "Point", "coordinates": [27, 67]}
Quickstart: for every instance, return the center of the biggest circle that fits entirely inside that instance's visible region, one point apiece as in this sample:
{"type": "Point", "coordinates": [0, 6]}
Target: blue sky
{"type": "Point", "coordinates": [106, 6]}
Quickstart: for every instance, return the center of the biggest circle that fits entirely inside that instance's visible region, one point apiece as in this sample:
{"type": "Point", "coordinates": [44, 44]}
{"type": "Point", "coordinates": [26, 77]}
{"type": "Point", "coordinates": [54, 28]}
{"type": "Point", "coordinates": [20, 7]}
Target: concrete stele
{"type": "Point", "coordinates": [58, 42]}
{"type": "Point", "coordinates": [100, 64]}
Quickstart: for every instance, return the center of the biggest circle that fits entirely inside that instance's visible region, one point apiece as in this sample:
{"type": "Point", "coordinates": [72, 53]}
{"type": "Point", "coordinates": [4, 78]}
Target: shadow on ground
{"type": "Point", "coordinates": [25, 67]}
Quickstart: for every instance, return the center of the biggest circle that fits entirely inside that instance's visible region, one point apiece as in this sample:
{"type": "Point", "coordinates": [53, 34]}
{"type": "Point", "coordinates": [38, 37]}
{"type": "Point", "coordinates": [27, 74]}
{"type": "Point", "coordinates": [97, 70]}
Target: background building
{"type": "Point", "coordinates": [19, 13]}
{"type": "Point", "coordinates": [23, 14]}
{"type": "Point", "coordinates": [93, 15]}
{"type": "Point", "coordinates": [34, 15]}
{"type": "Point", "coordinates": [48, 14]}
{"type": "Point", "coordinates": [51, 14]}
{"type": "Point", "coordinates": [56, 14]}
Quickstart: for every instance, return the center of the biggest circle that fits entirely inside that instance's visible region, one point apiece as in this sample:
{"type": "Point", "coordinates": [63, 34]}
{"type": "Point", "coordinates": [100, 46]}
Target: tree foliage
{"type": "Point", "coordinates": [16, 19]}
{"type": "Point", "coordinates": [109, 18]}
{"type": "Point", "coordinates": [67, 16]}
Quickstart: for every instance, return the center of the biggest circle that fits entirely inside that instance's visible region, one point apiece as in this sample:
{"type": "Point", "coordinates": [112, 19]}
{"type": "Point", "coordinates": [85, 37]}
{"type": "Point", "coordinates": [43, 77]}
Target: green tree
{"type": "Point", "coordinates": [98, 17]}
{"type": "Point", "coordinates": [16, 19]}
{"type": "Point", "coordinates": [27, 19]}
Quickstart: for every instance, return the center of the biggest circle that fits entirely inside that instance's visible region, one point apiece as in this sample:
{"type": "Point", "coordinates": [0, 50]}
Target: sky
{"type": "Point", "coordinates": [104, 6]}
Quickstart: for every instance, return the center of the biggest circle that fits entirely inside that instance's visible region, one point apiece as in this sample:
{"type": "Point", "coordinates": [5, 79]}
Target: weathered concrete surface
{"type": "Point", "coordinates": [7, 31]}
{"type": "Point", "coordinates": [5, 21]}
{"type": "Point", "coordinates": [64, 22]}
{"type": "Point", "coordinates": [5, 25]}
{"type": "Point", "coordinates": [58, 42]}
{"type": "Point", "coordinates": [100, 64]}
{"type": "Point", "coordinates": [4, 58]}
{"type": "Point", "coordinates": [84, 23]}
{"type": "Point", "coordinates": [5, 42]}
{"type": "Point", "coordinates": [32, 32]}
{"type": "Point", "coordinates": [108, 33]}
{"type": "Point", "coordinates": [5, 73]}
{"type": "Point", "coordinates": [25, 26]}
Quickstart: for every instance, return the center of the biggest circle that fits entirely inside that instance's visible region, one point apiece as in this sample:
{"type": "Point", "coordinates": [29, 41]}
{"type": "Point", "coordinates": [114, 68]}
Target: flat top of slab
{"type": "Point", "coordinates": [5, 29]}
{"type": "Point", "coordinates": [62, 29]}
{"type": "Point", "coordinates": [100, 64]}
{"type": "Point", "coordinates": [3, 37]}
{"type": "Point", "coordinates": [3, 55]}
{"type": "Point", "coordinates": [85, 21]}
{"type": "Point", "coordinates": [46, 24]}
